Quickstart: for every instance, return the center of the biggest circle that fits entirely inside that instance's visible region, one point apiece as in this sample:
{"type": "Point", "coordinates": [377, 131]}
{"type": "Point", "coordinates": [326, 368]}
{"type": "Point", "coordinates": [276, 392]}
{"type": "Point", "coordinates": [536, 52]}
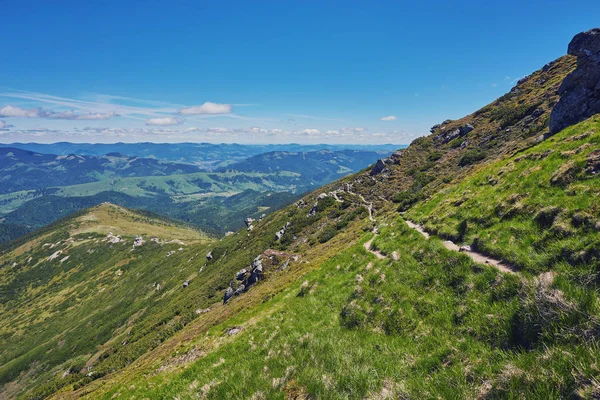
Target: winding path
{"type": "Point", "coordinates": [374, 252]}
{"type": "Point", "coordinates": [475, 256]}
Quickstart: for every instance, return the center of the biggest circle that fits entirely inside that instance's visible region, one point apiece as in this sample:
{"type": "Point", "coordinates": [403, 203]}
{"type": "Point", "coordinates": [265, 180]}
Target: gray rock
{"type": "Point", "coordinates": [446, 137]}
{"type": "Point", "coordinates": [233, 331]}
{"type": "Point", "coordinates": [580, 91]}
{"type": "Point", "coordinates": [228, 294]}
{"type": "Point", "coordinates": [186, 284]}
{"type": "Point", "coordinates": [248, 221]}
{"type": "Point", "coordinates": [241, 289]}
{"type": "Point", "coordinates": [378, 168]}
{"type": "Point", "coordinates": [209, 256]}
{"type": "Point", "coordinates": [241, 274]}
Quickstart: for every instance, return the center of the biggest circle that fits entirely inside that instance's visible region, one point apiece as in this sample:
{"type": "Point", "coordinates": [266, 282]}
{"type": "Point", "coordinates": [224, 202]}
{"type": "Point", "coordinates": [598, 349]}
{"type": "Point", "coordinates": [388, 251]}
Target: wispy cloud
{"type": "Point", "coordinates": [207, 108]}
{"type": "Point", "coordinates": [389, 118]}
{"type": "Point", "coordinates": [314, 117]}
{"type": "Point", "coordinates": [14, 111]}
{"type": "Point", "coordinates": [164, 121]}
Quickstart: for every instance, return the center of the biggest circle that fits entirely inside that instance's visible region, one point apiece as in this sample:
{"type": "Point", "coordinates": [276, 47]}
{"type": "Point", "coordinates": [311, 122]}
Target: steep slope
{"type": "Point", "coordinates": [350, 302]}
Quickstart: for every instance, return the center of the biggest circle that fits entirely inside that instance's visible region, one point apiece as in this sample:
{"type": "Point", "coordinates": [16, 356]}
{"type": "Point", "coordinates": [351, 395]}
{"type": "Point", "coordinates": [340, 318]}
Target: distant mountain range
{"type": "Point", "coordinates": [37, 188]}
{"type": "Point", "coordinates": [24, 169]}
{"type": "Point", "coordinates": [206, 155]}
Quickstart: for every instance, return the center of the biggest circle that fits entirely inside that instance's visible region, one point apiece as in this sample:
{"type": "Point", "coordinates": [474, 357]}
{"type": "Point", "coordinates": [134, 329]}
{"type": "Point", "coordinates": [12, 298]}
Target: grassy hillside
{"type": "Point", "coordinates": [538, 208]}
{"type": "Point", "coordinates": [426, 323]}
{"type": "Point", "coordinates": [75, 288]}
{"type": "Point", "coordinates": [353, 303]}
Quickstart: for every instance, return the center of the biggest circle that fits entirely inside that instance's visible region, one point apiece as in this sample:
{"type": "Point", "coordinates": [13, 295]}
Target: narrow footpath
{"type": "Point", "coordinates": [475, 256]}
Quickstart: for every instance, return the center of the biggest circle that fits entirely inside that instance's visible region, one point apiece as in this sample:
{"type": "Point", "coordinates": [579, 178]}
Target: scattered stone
{"type": "Point", "coordinates": [138, 241]}
{"type": "Point", "coordinates": [209, 256]}
{"type": "Point", "coordinates": [202, 311]}
{"type": "Point", "coordinates": [113, 239]}
{"type": "Point", "coordinates": [233, 330]}
{"type": "Point", "coordinates": [465, 248]}
{"type": "Point", "coordinates": [54, 255]}
{"type": "Point", "coordinates": [248, 221]}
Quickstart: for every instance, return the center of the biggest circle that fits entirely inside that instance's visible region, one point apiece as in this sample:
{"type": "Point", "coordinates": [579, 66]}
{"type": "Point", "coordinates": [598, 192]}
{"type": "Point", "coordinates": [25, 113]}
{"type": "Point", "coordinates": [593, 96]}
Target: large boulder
{"type": "Point", "coordinates": [580, 91]}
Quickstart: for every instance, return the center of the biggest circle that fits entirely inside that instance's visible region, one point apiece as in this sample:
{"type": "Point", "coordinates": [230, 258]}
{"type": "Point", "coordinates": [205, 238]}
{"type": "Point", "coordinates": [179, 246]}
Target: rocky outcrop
{"type": "Point", "coordinates": [382, 165]}
{"type": "Point", "coordinates": [315, 207]}
{"type": "Point", "coordinates": [247, 277]}
{"type": "Point", "coordinates": [446, 136]}
{"type": "Point", "coordinates": [580, 91]}
{"type": "Point", "coordinates": [281, 232]}
{"type": "Point", "coordinates": [378, 168]}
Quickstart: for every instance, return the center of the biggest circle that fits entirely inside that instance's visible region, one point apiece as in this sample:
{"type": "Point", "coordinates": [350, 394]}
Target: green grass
{"type": "Point", "coordinates": [537, 209]}
{"type": "Point", "coordinates": [430, 324]}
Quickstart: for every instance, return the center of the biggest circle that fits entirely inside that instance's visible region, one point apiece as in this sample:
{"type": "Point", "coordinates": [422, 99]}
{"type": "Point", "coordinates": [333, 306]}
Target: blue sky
{"type": "Point", "coordinates": [266, 71]}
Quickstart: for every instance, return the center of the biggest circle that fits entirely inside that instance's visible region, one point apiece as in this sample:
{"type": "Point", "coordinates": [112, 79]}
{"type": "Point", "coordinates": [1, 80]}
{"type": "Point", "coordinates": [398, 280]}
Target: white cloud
{"type": "Point", "coordinates": [352, 131]}
{"type": "Point", "coordinates": [332, 132]}
{"type": "Point", "coordinates": [164, 121]}
{"type": "Point", "coordinates": [311, 132]}
{"type": "Point", "coordinates": [389, 118]}
{"type": "Point", "coordinates": [2, 124]}
{"type": "Point", "coordinates": [206, 108]}
{"type": "Point", "coordinates": [13, 111]}
{"type": "Point", "coordinates": [217, 130]}
{"type": "Point", "coordinates": [80, 117]}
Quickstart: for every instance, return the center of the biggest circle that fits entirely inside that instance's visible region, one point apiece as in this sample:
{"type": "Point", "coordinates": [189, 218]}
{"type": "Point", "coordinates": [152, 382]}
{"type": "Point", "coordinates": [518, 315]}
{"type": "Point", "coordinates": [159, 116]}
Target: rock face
{"type": "Point", "coordinates": [580, 91]}
{"type": "Point", "coordinates": [445, 137]}
{"type": "Point", "coordinates": [378, 168]}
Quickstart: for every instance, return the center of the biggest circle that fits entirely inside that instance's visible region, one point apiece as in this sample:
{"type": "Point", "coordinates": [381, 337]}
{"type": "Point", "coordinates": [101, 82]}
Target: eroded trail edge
{"type": "Point", "coordinates": [475, 256]}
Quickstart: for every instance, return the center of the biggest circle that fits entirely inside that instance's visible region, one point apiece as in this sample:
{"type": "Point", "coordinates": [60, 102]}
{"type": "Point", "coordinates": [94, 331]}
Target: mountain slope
{"type": "Point", "coordinates": [350, 302]}
{"type": "Point", "coordinates": [76, 286]}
